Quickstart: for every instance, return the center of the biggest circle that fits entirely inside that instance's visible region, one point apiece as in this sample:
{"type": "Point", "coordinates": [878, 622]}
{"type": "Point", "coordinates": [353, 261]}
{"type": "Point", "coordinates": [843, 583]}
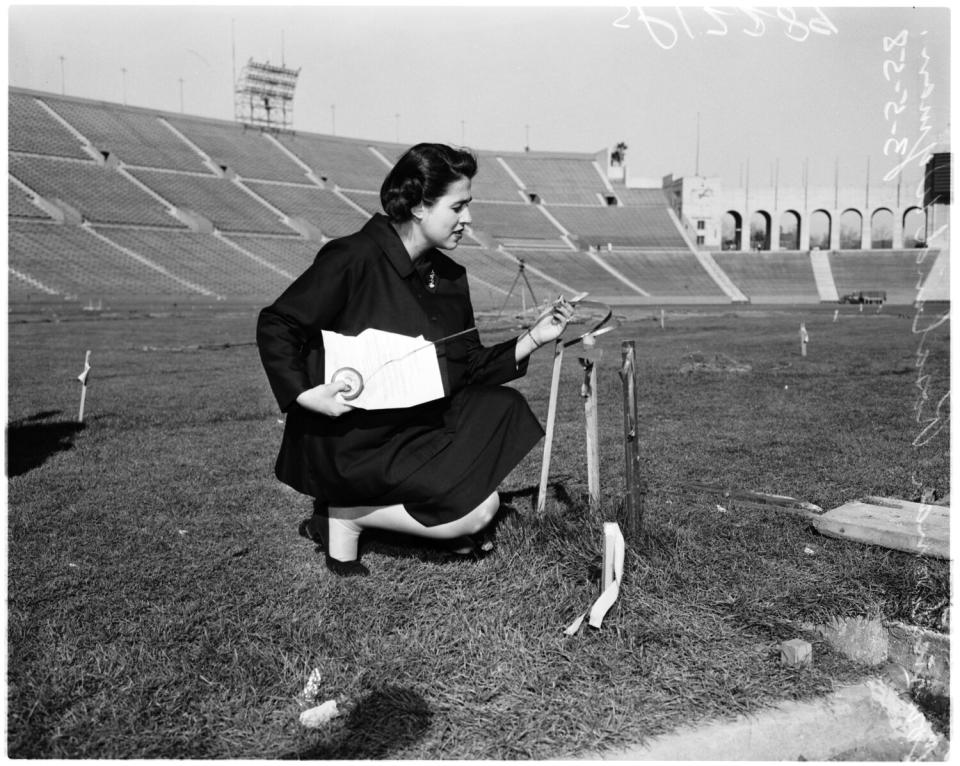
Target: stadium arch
{"type": "Point", "coordinates": [881, 229]}
{"type": "Point", "coordinates": [820, 234]}
{"type": "Point", "coordinates": [731, 230]}
{"type": "Point", "coordinates": [914, 231]}
{"type": "Point", "coordinates": [851, 230]}
{"type": "Point", "coordinates": [789, 230]}
{"type": "Point", "coordinates": [760, 228]}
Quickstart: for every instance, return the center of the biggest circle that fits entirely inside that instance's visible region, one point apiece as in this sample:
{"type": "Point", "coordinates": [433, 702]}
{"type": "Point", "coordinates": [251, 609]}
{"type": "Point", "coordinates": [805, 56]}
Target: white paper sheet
{"type": "Point", "coordinates": [397, 370]}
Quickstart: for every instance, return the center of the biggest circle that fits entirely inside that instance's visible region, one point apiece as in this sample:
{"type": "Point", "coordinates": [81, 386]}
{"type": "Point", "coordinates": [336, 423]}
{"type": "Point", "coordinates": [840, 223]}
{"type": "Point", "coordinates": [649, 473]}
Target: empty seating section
{"type": "Point", "coordinates": [49, 159]}
{"type": "Point", "coordinates": [32, 129]}
{"type": "Point", "coordinates": [369, 201]}
{"type": "Point", "coordinates": [896, 271]}
{"type": "Point", "coordinates": [345, 163]}
{"type": "Point", "coordinates": [665, 273]}
{"type": "Point", "coordinates": [774, 276]}
{"type": "Point", "coordinates": [625, 226]}
{"type": "Point", "coordinates": [321, 207]}
{"type": "Point", "coordinates": [74, 262]}
{"type": "Point", "coordinates": [246, 151]}
{"type": "Point", "coordinates": [19, 204]}
{"type": "Point", "coordinates": [512, 220]}
{"type": "Point", "coordinates": [577, 269]}
{"type": "Point", "coordinates": [201, 259]}
{"type": "Point", "coordinates": [292, 254]}
{"type": "Point", "coordinates": [391, 152]}
{"type": "Point", "coordinates": [492, 182]}
{"type": "Point", "coordinates": [135, 137]}
{"type": "Point", "coordinates": [492, 267]}
{"type": "Point", "coordinates": [559, 180]}
{"type": "Point", "coordinates": [99, 193]}
{"type": "Point", "coordinates": [640, 197]}
{"type": "Point", "coordinates": [220, 201]}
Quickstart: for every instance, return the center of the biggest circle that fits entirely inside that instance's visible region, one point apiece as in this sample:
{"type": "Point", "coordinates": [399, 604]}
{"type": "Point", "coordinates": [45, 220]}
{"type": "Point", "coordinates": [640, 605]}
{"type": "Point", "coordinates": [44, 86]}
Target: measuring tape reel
{"type": "Point", "coordinates": [352, 378]}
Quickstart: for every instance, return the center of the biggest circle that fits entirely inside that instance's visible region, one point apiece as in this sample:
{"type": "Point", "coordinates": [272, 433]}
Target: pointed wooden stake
{"type": "Point", "coordinates": [82, 377]}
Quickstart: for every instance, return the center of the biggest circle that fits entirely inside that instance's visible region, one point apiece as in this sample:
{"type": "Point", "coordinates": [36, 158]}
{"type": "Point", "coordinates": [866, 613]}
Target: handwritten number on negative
{"type": "Point", "coordinates": [898, 68]}
{"type": "Point", "coordinates": [889, 43]}
{"type": "Point", "coordinates": [715, 14]}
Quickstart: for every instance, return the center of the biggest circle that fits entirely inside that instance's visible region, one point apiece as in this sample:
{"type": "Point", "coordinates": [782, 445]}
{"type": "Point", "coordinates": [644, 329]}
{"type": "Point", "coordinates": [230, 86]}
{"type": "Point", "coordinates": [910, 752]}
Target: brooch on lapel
{"type": "Point", "coordinates": [432, 280]}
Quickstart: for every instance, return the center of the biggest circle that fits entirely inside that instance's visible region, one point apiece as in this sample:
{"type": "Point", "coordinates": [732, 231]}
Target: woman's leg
{"type": "Point", "coordinates": [346, 524]}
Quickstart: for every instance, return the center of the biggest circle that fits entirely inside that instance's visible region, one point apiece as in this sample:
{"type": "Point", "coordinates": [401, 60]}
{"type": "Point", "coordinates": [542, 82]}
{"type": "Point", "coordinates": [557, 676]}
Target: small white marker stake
{"type": "Point", "coordinates": [804, 339]}
{"type": "Point", "coordinates": [836, 314]}
{"type": "Point", "coordinates": [82, 377]}
{"type": "Point", "coordinates": [661, 319]}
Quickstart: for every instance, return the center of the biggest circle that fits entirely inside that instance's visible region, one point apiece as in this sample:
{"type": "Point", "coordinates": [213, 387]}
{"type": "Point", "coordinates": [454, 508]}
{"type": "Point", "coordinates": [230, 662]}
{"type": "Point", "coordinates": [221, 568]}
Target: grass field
{"type": "Point", "coordinates": [161, 603]}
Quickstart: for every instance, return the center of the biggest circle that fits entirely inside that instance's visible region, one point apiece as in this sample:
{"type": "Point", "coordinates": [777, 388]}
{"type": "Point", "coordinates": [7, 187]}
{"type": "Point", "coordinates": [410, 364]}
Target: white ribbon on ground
{"type": "Point", "coordinates": [613, 553]}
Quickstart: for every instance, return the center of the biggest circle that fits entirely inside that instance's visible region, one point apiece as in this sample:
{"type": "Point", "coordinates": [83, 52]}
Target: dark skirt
{"type": "Point", "coordinates": [494, 430]}
{"type": "Point", "coordinates": [439, 471]}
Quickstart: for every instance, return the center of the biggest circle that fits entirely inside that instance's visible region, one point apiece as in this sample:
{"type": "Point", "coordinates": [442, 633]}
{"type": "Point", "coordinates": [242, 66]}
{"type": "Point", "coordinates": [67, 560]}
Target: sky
{"type": "Point", "coordinates": [853, 92]}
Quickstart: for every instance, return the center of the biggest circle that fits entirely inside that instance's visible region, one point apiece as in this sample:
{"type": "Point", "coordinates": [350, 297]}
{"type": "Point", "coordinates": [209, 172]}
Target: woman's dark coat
{"type": "Point", "coordinates": [365, 457]}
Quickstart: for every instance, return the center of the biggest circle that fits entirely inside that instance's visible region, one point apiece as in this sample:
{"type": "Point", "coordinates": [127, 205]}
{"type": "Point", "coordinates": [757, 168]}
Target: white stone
{"type": "Point", "coordinates": [320, 715]}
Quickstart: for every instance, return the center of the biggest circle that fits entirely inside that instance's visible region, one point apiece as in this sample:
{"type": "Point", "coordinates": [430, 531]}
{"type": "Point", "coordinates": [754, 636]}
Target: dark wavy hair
{"type": "Point", "coordinates": [423, 174]}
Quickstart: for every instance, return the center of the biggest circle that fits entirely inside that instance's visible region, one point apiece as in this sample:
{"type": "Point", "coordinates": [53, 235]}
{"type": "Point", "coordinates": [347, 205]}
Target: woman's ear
{"type": "Point", "coordinates": [418, 211]}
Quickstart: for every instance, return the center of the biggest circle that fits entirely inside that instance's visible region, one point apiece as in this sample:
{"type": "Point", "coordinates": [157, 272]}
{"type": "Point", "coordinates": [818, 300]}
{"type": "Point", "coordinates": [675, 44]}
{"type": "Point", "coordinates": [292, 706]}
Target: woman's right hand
{"type": "Point", "coordinates": [323, 399]}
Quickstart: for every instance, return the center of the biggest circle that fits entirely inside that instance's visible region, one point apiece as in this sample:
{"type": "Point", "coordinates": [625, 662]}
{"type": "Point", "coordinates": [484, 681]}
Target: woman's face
{"type": "Point", "coordinates": [442, 223]}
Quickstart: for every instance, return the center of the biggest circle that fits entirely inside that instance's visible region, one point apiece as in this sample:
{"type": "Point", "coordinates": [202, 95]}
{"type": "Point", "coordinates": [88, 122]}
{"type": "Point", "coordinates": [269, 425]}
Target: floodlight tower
{"type": "Point", "coordinates": [263, 96]}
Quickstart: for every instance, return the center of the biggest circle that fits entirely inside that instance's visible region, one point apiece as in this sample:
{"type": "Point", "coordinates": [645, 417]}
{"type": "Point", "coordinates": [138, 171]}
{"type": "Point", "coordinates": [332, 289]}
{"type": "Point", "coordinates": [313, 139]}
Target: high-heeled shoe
{"type": "Point", "coordinates": [315, 529]}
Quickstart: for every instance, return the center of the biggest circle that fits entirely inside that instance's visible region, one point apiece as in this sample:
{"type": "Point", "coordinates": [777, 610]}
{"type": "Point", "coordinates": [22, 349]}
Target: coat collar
{"type": "Point", "coordinates": [380, 230]}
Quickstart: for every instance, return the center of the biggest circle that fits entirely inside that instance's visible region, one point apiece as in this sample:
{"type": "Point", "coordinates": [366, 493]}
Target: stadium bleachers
{"type": "Point", "coordinates": [73, 262]}
{"type": "Point", "coordinates": [899, 272]}
{"type": "Point", "coordinates": [559, 180]}
{"type": "Point", "coordinates": [577, 269]}
{"type": "Point", "coordinates": [19, 204]}
{"type": "Point", "coordinates": [321, 207]}
{"type": "Point", "coordinates": [349, 164]}
{"type": "Point", "coordinates": [771, 277]}
{"type": "Point", "coordinates": [93, 162]}
{"type": "Point", "coordinates": [246, 151]}
{"type": "Point", "coordinates": [516, 220]}
{"type": "Point", "coordinates": [100, 194]}
{"type": "Point", "coordinates": [489, 269]}
{"type": "Point", "coordinates": [492, 182]}
{"type": "Point", "coordinates": [201, 259]}
{"type": "Point", "coordinates": [220, 201]}
{"type": "Point", "coordinates": [369, 201]}
{"type": "Point", "coordinates": [640, 197]}
{"type": "Point", "coordinates": [648, 226]}
{"type": "Point", "coordinates": [135, 137]}
{"type": "Point", "coordinates": [665, 273]}
{"type": "Point", "coordinates": [33, 130]}
{"type": "Point", "coordinates": [292, 254]}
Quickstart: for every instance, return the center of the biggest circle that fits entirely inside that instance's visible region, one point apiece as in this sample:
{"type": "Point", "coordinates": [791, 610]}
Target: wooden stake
{"type": "Point", "coordinates": [82, 377]}
{"type": "Point", "coordinates": [662, 319]}
{"type": "Point", "coordinates": [589, 393]}
{"type": "Point", "coordinates": [803, 339]}
{"type": "Point", "coordinates": [551, 421]}
{"type": "Point", "coordinates": [633, 496]}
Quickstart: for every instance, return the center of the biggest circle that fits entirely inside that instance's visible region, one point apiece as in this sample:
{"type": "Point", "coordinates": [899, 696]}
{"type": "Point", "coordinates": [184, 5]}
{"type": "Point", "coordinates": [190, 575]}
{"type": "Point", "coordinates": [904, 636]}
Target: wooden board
{"type": "Point", "coordinates": [897, 524]}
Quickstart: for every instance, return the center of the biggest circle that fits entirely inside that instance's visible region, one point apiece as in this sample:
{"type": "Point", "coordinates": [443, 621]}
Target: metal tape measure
{"type": "Point", "coordinates": [352, 378]}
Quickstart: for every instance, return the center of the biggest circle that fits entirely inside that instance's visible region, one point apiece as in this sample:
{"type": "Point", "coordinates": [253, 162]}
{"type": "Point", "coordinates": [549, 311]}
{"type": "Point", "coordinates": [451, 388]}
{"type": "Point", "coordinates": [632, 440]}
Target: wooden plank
{"type": "Point", "coordinates": [897, 524]}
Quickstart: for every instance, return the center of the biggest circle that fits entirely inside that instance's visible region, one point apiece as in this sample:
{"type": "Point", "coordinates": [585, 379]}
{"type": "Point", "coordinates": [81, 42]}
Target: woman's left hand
{"type": "Point", "coordinates": [552, 322]}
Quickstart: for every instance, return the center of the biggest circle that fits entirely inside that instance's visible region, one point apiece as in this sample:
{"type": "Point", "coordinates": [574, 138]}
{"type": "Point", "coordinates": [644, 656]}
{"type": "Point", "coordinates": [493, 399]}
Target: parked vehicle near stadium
{"type": "Point", "coordinates": [865, 296]}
